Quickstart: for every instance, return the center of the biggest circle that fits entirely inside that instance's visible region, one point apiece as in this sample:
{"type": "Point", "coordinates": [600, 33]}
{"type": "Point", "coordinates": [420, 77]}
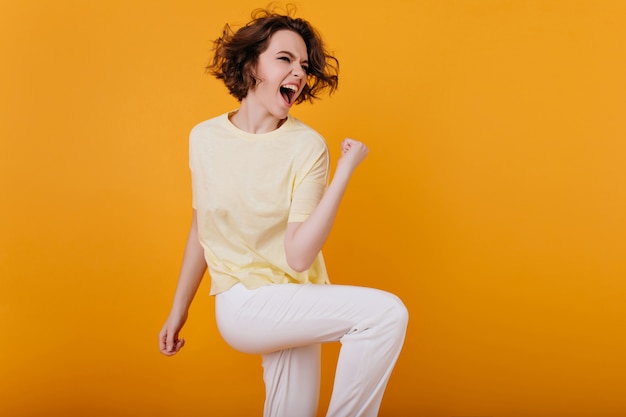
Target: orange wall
{"type": "Point", "coordinates": [493, 202]}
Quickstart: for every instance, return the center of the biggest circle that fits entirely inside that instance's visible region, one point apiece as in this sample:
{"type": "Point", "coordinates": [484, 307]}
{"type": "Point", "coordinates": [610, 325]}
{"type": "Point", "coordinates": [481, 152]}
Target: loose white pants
{"type": "Point", "coordinates": [286, 323]}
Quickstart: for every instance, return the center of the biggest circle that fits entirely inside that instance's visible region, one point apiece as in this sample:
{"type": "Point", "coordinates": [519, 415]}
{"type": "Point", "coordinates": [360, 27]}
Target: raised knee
{"type": "Point", "coordinates": [395, 315]}
{"type": "Point", "coordinates": [400, 314]}
{"type": "Point", "coordinates": [386, 316]}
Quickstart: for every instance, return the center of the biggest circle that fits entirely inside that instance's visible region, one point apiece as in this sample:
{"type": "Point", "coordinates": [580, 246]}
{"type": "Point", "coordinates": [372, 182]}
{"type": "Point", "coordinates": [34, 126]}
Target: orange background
{"type": "Point", "coordinates": [493, 202]}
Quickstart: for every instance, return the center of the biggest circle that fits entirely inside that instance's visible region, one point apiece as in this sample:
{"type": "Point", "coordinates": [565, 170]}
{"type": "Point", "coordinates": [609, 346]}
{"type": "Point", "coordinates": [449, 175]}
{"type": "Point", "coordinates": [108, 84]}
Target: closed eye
{"type": "Point", "coordinates": [305, 66]}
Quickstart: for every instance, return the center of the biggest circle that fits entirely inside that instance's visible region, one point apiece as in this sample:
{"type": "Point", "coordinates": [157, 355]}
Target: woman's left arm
{"type": "Point", "coordinates": [304, 240]}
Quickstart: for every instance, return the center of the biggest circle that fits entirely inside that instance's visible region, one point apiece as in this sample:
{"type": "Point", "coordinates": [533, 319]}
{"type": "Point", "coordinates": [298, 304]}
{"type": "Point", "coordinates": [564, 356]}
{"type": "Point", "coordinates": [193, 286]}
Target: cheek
{"type": "Point", "coordinates": [256, 70]}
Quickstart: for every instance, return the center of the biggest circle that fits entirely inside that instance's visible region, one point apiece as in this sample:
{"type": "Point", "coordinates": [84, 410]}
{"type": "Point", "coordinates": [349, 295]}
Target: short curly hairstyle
{"type": "Point", "coordinates": [237, 53]}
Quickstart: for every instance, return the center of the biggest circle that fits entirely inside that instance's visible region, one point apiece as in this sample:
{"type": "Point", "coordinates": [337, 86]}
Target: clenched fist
{"type": "Point", "coordinates": [353, 153]}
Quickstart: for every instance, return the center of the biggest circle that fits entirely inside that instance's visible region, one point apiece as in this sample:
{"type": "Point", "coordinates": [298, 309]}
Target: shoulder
{"type": "Point", "coordinates": [305, 136]}
{"type": "Point", "coordinates": [206, 127]}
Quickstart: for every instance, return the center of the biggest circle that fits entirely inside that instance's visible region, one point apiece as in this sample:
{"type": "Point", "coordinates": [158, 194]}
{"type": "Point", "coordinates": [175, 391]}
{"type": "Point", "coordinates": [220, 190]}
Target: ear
{"type": "Point", "coordinates": [249, 74]}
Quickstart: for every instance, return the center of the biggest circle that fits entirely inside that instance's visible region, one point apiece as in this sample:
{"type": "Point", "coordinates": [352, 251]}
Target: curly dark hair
{"type": "Point", "coordinates": [237, 53]}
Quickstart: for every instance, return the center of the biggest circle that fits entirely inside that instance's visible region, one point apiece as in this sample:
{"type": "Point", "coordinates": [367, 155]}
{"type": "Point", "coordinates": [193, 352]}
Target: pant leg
{"type": "Point", "coordinates": [292, 381]}
{"type": "Point", "coordinates": [370, 324]}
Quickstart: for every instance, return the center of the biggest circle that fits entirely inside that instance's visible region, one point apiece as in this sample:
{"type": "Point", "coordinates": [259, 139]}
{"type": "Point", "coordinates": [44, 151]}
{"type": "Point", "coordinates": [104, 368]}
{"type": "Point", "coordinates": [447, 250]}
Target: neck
{"type": "Point", "coordinates": [253, 119]}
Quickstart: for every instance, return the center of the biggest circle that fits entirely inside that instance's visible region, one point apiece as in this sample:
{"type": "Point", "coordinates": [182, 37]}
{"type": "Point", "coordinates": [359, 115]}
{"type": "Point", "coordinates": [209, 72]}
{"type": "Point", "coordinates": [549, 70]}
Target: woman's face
{"type": "Point", "coordinates": [281, 72]}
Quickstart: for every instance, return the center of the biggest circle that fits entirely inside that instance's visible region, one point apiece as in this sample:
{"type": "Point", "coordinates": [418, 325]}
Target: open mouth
{"type": "Point", "coordinates": [288, 91]}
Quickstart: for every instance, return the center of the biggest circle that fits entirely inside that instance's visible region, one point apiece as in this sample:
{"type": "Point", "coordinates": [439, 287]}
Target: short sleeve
{"type": "Point", "coordinates": [194, 170]}
{"type": "Point", "coordinates": [191, 171]}
{"type": "Point", "coordinates": [308, 192]}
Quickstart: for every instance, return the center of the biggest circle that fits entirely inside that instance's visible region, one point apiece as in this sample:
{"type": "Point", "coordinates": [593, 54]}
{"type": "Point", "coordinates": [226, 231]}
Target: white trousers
{"type": "Point", "coordinates": [286, 323]}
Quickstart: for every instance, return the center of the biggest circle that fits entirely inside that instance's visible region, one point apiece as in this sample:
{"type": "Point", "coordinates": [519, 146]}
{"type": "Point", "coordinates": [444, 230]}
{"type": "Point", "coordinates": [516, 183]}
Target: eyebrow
{"type": "Point", "coordinates": [291, 55]}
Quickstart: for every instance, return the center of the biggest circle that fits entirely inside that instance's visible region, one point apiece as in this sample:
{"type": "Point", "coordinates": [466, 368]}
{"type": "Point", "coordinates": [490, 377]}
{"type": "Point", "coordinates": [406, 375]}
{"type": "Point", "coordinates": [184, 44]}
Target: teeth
{"type": "Point", "coordinates": [290, 87]}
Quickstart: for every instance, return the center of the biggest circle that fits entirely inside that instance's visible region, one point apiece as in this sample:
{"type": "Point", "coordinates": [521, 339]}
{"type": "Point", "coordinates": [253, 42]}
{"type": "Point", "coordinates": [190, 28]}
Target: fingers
{"type": "Point", "coordinates": [169, 343]}
{"type": "Point", "coordinates": [346, 145]}
{"type": "Point", "coordinates": [162, 340]}
{"type": "Point", "coordinates": [353, 153]}
{"type": "Point", "coordinates": [174, 348]}
{"type": "Point", "coordinates": [350, 144]}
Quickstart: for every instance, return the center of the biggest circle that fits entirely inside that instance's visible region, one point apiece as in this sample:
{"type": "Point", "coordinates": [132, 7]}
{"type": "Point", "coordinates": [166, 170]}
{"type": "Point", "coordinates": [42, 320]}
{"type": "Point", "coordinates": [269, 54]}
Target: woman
{"type": "Point", "coordinates": [262, 212]}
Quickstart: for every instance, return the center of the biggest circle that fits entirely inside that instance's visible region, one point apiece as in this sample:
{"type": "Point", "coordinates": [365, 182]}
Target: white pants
{"type": "Point", "coordinates": [286, 324]}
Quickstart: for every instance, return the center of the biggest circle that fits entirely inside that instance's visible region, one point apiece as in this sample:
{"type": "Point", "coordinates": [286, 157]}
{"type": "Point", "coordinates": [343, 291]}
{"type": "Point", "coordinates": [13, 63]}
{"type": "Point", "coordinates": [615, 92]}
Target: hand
{"type": "Point", "coordinates": [169, 343]}
{"type": "Point", "coordinates": [353, 153]}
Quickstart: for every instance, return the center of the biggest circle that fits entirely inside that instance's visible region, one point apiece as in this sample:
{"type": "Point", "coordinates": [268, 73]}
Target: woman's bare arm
{"type": "Point", "coordinates": [191, 273]}
{"type": "Point", "coordinates": [304, 240]}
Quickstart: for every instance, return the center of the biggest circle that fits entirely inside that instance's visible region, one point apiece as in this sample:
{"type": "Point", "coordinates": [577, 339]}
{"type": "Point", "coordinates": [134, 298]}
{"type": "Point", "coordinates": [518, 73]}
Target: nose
{"type": "Point", "coordinates": [298, 71]}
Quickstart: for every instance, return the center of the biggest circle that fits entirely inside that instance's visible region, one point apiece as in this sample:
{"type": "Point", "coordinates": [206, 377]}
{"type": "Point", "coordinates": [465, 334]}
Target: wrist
{"type": "Point", "coordinates": [179, 311]}
{"type": "Point", "coordinates": [343, 172]}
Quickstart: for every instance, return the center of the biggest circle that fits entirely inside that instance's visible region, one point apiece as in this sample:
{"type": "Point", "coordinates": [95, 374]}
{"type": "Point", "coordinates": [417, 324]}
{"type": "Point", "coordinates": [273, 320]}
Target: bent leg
{"type": "Point", "coordinates": [368, 354]}
{"type": "Point", "coordinates": [370, 324]}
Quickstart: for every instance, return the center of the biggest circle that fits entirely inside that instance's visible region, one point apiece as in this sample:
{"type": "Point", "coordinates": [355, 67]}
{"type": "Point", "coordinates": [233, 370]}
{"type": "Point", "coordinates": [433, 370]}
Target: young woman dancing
{"type": "Point", "coordinates": [263, 209]}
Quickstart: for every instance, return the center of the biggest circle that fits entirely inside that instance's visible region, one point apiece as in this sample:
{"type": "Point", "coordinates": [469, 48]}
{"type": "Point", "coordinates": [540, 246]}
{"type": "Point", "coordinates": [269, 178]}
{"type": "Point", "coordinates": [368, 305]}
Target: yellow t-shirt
{"type": "Point", "coordinates": [246, 188]}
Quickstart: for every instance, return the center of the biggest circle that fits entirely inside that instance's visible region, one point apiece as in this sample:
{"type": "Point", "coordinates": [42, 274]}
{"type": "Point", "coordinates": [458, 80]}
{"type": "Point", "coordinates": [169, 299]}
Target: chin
{"type": "Point", "coordinates": [281, 114]}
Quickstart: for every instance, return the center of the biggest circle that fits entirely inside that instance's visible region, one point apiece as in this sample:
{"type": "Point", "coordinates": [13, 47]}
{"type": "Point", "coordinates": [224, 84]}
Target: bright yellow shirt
{"type": "Point", "coordinates": [246, 188]}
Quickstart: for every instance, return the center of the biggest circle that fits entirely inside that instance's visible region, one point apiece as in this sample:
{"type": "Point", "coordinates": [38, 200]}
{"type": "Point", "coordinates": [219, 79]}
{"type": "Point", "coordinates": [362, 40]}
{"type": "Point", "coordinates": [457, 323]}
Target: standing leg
{"type": "Point", "coordinates": [292, 382]}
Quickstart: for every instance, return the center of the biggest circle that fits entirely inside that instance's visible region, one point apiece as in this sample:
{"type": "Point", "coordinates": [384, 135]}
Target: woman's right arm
{"type": "Point", "coordinates": [191, 273]}
{"type": "Point", "coordinates": [304, 240]}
